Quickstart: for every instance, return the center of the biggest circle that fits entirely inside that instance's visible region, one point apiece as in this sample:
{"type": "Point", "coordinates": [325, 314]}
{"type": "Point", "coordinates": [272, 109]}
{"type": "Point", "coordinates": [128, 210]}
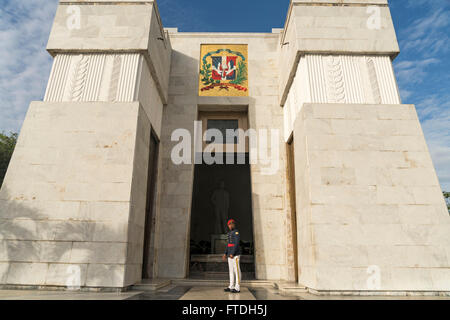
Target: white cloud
{"type": "Point", "coordinates": [425, 44]}
{"type": "Point", "coordinates": [405, 94]}
{"type": "Point", "coordinates": [414, 71]}
{"type": "Point", "coordinates": [434, 113]}
{"type": "Point", "coordinates": [428, 35]}
{"type": "Point", "coordinates": [433, 4]}
{"type": "Point", "coordinates": [25, 65]}
{"type": "Point", "coordinates": [429, 24]}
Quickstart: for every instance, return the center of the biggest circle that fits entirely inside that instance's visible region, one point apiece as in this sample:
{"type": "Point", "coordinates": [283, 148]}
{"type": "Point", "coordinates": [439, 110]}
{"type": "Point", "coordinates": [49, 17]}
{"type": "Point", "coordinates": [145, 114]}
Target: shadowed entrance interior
{"type": "Point", "coordinates": [221, 192]}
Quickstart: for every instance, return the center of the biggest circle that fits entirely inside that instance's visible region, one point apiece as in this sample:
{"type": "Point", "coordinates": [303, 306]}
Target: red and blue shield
{"type": "Point", "coordinates": [224, 68]}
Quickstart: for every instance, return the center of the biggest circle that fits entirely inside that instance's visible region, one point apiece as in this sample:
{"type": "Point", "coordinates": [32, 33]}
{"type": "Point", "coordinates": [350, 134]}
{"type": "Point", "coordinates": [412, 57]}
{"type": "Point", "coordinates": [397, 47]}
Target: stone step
{"type": "Point", "coordinates": [157, 284]}
{"type": "Point", "coordinates": [290, 288]}
{"type": "Point", "coordinates": [217, 275]}
{"type": "Point", "coordinates": [222, 283]}
{"type": "Point", "coordinates": [151, 284]}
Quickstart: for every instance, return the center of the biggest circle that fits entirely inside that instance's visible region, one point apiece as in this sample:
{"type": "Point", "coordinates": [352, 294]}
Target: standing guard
{"type": "Point", "coordinates": [233, 253]}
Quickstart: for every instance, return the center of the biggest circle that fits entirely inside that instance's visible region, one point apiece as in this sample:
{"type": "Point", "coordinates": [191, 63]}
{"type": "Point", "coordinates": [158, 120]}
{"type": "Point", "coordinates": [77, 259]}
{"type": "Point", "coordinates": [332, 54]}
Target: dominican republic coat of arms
{"type": "Point", "coordinates": [223, 70]}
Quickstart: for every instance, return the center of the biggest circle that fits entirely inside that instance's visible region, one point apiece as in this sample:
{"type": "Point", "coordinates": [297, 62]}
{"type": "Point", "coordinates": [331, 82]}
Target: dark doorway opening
{"type": "Point", "coordinates": [147, 265]}
{"type": "Point", "coordinates": [220, 192]}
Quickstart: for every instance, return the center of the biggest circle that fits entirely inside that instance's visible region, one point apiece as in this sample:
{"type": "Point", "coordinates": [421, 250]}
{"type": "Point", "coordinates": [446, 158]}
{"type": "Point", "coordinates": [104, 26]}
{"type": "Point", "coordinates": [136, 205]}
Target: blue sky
{"type": "Point", "coordinates": [422, 68]}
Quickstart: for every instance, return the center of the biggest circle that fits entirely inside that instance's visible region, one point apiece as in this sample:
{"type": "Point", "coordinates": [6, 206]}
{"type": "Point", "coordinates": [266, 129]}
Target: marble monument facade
{"type": "Point", "coordinates": [369, 210]}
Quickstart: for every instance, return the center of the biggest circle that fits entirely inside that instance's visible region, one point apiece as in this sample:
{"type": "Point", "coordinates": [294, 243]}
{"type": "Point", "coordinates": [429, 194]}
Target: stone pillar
{"type": "Point", "coordinates": [370, 211]}
{"type": "Point", "coordinates": [73, 201]}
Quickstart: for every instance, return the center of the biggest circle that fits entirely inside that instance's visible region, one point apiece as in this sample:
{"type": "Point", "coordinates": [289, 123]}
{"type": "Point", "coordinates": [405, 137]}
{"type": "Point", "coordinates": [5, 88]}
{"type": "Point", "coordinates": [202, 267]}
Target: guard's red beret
{"type": "Point", "coordinates": [231, 221]}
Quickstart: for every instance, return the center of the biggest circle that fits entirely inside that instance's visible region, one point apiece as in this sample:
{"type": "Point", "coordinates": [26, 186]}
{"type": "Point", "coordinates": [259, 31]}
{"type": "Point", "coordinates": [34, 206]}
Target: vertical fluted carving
{"type": "Point", "coordinates": [335, 77]}
{"type": "Point", "coordinates": [79, 77]}
{"type": "Point", "coordinates": [91, 77]}
{"type": "Point", "coordinates": [373, 80]}
{"type": "Point", "coordinates": [115, 75]}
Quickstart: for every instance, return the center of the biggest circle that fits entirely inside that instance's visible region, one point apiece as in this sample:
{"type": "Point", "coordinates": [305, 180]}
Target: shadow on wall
{"type": "Point", "coordinates": [36, 250]}
{"type": "Point", "coordinates": [258, 243]}
{"type": "Point", "coordinates": [181, 111]}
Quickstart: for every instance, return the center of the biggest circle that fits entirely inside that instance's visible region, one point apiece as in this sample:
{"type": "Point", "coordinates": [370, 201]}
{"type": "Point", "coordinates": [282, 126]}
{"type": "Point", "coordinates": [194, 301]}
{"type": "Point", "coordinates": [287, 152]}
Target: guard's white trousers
{"type": "Point", "coordinates": [235, 272]}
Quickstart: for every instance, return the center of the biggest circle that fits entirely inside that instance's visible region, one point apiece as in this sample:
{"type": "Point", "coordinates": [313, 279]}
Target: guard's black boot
{"type": "Point", "coordinates": [234, 291]}
{"type": "Point", "coordinates": [227, 290]}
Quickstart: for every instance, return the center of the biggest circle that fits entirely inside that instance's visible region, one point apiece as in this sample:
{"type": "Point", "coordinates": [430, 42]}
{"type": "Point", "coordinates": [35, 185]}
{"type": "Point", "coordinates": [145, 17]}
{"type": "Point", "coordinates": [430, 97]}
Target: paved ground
{"type": "Point", "coordinates": [200, 293]}
{"type": "Point", "coordinates": [174, 292]}
{"type": "Point", "coordinates": [62, 295]}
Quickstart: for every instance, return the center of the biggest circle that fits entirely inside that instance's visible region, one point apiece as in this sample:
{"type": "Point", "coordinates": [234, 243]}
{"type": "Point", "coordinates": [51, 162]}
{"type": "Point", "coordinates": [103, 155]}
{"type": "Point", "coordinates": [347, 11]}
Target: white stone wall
{"type": "Point", "coordinates": [115, 27]}
{"type": "Point", "coordinates": [271, 230]}
{"type": "Point", "coordinates": [65, 201]}
{"type": "Point", "coordinates": [355, 79]}
{"type": "Point", "coordinates": [334, 27]}
{"type": "Point", "coordinates": [366, 190]}
{"type": "Point", "coordinates": [76, 189]}
{"type": "Point", "coordinates": [112, 25]}
{"type": "Point", "coordinates": [149, 97]}
{"type": "Point", "coordinates": [102, 77]}
{"type": "Point", "coordinates": [75, 192]}
{"type": "Point", "coordinates": [343, 28]}
{"type": "Point", "coordinates": [368, 195]}
{"type": "Point", "coordinates": [138, 201]}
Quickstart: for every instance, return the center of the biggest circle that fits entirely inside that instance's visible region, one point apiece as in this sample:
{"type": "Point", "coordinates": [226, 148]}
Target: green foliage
{"type": "Point", "coordinates": [207, 74]}
{"type": "Point", "coordinates": [241, 73]}
{"type": "Point", "coordinates": [7, 144]}
{"type": "Point", "coordinates": [447, 200]}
